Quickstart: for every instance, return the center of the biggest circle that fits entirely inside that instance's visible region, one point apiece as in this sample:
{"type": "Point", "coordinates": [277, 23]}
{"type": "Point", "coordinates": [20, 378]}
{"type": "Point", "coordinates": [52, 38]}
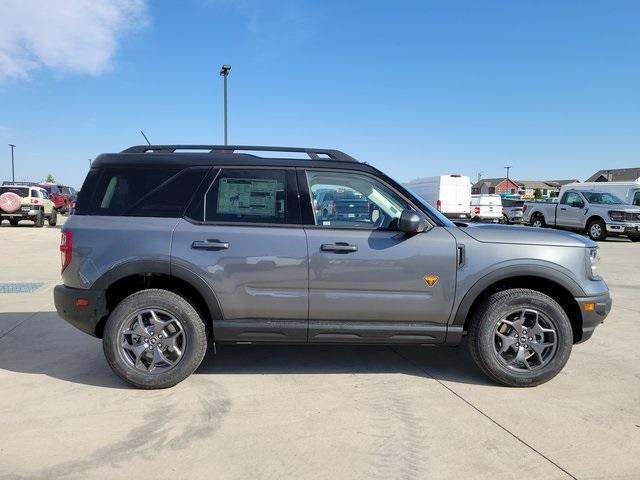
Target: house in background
{"type": "Point", "coordinates": [490, 186]}
{"type": "Point", "coordinates": [524, 188]}
{"type": "Point", "coordinates": [616, 175]}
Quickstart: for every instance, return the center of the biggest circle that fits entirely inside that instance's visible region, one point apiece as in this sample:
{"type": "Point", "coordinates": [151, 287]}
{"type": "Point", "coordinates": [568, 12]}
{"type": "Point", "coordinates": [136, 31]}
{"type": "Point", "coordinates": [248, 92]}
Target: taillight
{"type": "Point", "coordinates": [476, 210]}
{"type": "Point", "coordinates": [66, 248]}
{"type": "Point", "coordinates": [438, 205]}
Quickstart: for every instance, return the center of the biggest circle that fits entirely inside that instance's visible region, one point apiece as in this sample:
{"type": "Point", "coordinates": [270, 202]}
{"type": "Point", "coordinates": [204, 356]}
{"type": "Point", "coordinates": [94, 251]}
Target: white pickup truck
{"type": "Point", "coordinates": [597, 213]}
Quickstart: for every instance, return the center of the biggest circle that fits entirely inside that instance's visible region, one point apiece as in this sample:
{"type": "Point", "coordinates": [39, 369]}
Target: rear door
{"type": "Point", "coordinates": [243, 236]}
{"type": "Point", "coordinates": [368, 281]}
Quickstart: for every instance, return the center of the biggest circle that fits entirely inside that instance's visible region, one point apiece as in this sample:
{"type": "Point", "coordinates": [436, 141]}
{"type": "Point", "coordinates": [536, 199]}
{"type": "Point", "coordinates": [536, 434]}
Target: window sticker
{"type": "Point", "coordinates": [244, 196]}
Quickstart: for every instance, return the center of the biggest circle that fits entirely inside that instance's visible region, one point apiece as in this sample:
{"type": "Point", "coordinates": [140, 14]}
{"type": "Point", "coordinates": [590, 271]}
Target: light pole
{"type": "Point", "coordinates": [224, 72]}
{"type": "Point", "coordinates": [13, 173]}
{"type": "Point", "coordinates": [507, 168]}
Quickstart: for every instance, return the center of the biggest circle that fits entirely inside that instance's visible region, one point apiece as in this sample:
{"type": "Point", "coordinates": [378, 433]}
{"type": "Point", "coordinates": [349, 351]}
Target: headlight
{"type": "Point", "coordinates": [593, 258]}
{"type": "Point", "coordinates": [616, 216]}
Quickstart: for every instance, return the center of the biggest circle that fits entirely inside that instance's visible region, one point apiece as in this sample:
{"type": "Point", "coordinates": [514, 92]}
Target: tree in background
{"type": "Point", "coordinates": [537, 194]}
{"type": "Point", "coordinates": [50, 178]}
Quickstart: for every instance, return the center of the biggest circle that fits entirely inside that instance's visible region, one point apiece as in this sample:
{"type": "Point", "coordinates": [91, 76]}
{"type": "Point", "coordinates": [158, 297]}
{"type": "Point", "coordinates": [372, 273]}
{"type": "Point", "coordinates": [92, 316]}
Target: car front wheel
{"type": "Point", "coordinates": [597, 230]}
{"type": "Point", "coordinates": [520, 337]}
{"type": "Point", "coordinates": [154, 339]}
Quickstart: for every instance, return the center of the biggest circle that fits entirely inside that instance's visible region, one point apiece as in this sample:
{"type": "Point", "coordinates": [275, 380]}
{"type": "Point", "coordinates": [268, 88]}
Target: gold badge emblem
{"type": "Point", "coordinates": [431, 280]}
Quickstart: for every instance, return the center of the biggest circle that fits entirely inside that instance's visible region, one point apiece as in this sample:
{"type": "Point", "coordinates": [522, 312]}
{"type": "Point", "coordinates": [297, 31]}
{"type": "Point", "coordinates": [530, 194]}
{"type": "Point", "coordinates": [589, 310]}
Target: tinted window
{"type": "Point", "coordinates": [22, 192]}
{"type": "Point", "coordinates": [602, 198]}
{"type": "Point", "coordinates": [243, 195]}
{"type": "Point", "coordinates": [636, 198]}
{"type": "Point", "coordinates": [147, 192]}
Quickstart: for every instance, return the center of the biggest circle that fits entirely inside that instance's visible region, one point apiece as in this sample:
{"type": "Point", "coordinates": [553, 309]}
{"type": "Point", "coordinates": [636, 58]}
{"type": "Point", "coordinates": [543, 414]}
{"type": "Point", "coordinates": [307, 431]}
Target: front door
{"type": "Point", "coordinates": [571, 210]}
{"type": "Point", "coordinates": [245, 239]}
{"type": "Point", "coordinates": [368, 282]}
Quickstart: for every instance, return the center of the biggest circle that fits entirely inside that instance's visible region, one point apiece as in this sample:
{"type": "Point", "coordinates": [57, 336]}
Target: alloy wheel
{"type": "Point", "coordinates": [525, 340]}
{"type": "Point", "coordinates": [153, 341]}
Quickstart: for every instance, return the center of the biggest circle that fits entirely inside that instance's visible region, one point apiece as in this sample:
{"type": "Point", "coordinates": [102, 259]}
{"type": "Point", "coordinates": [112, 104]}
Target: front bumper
{"type": "Point", "coordinates": [594, 310]}
{"type": "Point", "coordinates": [623, 227]}
{"type": "Point", "coordinates": [83, 317]}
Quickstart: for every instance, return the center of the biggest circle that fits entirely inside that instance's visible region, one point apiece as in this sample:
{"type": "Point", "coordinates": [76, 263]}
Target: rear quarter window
{"type": "Point", "coordinates": [144, 192]}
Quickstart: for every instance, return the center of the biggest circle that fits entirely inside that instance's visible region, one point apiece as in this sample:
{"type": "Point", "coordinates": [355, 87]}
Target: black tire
{"type": "Point", "coordinates": [53, 218]}
{"type": "Point", "coordinates": [538, 221]}
{"type": "Point", "coordinates": [483, 337]}
{"type": "Point", "coordinates": [505, 220]}
{"type": "Point", "coordinates": [39, 221]}
{"type": "Point", "coordinates": [193, 348]}
{"type": "Point", "coordinates": [597, 230]}
{"type": "Point", "coordinates": [13, 222]}
{"type": "Point", "coordinates": [634, 238]}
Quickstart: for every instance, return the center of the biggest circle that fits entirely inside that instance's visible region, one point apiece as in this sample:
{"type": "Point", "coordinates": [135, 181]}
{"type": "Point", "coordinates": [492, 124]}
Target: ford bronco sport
{"type": "Point", "coordinates": [175, 245]}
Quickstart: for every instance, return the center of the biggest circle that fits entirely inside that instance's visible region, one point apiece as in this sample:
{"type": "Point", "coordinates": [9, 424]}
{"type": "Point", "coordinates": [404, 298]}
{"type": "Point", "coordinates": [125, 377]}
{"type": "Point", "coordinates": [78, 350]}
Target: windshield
{"type": "Point", "coordinates": [601, 198]}
{"type": "Point", "coordinates": [445, 221]}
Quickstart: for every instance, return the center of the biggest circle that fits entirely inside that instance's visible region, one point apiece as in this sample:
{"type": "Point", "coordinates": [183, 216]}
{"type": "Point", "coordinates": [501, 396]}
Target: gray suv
{"type": "Point", "coordinates": [172, 246]}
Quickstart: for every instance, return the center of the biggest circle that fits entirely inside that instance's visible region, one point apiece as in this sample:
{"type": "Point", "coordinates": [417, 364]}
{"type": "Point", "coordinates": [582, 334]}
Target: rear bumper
{"type": "Point", "coordinates": [32, 212]}
{"type": "Point", "coordinates": [84, 318]}
{"type": "Point", "coordinates": [591, 318]}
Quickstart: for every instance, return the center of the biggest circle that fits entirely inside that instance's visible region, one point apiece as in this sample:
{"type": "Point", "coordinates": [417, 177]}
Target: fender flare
{"type": "Point", "coordinates": [542, 272]}
{"type": "Point", "coordinates": [164, 267]}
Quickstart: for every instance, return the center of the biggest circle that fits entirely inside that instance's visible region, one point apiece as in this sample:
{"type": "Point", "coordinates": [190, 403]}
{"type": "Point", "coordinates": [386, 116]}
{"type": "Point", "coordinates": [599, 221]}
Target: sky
{"type": "Point", "coordinates": [416, 88]}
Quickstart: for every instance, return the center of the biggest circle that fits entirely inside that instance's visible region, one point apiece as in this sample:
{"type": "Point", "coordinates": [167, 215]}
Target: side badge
{"type": "Point", "coordinates": [431, 279]}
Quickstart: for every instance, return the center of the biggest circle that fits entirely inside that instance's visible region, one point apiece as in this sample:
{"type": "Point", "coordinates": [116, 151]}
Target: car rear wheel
{"type": "Point", "coordinates": [154, 339]}
{"type": "Point", "coordinates": [520, 338]}
{"type": "Point", "coordinates": [597, 230]}
{"type": "Point", "coordinates": [13, 222]}
{"type": "Point", "coordinates": [53, 218]}
{"type": "Point", "coordinates": [538, 221]}
{"type": "Point", "coordinates": [39, 220]}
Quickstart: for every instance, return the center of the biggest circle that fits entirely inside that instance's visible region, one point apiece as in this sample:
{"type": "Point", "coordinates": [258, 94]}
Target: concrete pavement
{"type": "Point", "coordinates": [308, 412]}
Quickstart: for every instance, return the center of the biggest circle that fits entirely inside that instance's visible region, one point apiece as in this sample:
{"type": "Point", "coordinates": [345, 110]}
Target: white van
{"type": "Point", "coordinates": [450, 194]}
{"type": "Point", "coordinates": [486, 208]}
{"type": "Point", "coordinates": [628, 192]}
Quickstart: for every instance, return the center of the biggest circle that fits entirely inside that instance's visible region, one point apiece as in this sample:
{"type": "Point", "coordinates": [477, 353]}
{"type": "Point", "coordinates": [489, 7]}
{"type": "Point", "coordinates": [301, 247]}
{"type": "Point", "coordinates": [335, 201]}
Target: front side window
{"type": "Point", "coordinates": [636, 198]}
{"type": "Point", "coordinates": [247, 195]}
{"type": "Point", "coordinates": [572, 199]}
{"type": "Point", "coordinates": [352, 200]}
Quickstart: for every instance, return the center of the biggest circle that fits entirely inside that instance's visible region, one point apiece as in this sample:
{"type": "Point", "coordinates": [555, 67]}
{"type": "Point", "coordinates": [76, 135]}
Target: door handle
{"type": "Point", "coordinates": [563, 208]}
{"type": "Point", "coordinates": [210, 245]}
{"type": "Point", "coordinates": [338, 247]}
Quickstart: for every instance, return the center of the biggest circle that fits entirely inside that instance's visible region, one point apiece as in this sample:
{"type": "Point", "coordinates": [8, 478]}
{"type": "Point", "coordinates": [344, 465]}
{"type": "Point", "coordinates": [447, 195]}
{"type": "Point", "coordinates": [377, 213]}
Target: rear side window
{"type": "Point", "coordinates": [144, 192]}
{"type": "Point", "coordinates": [255, 196]}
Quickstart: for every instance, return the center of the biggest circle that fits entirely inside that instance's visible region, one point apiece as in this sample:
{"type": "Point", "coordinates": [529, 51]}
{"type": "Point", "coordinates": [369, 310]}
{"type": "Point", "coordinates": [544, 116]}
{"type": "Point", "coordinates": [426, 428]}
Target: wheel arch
{"type": "Point", "coordinates": [593, 218]}
{"type": "Point", "coordinates": [549, 281]}
{"type": "Point", "coordinates": [122, 281]}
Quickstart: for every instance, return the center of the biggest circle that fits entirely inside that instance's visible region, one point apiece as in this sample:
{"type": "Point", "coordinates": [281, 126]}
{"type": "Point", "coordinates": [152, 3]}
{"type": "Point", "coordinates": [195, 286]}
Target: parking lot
{"type": "Point", "coordinates": [307, 412]}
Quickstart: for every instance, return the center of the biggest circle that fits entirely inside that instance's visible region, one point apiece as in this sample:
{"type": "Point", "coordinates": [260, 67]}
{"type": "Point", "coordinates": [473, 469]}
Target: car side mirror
{"type": "Point", "coordinates": [411, 222]}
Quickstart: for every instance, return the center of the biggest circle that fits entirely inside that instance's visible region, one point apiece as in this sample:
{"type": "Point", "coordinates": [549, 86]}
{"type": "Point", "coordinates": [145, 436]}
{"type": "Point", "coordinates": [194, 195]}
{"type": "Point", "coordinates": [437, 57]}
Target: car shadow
{"type": "Point", "coordinates": [41, 343]}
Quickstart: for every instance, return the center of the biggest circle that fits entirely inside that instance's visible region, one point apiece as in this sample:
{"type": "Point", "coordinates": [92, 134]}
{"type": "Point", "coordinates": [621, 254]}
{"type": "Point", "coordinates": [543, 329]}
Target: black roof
{"type": "Point", "coordinates": [193, 155]}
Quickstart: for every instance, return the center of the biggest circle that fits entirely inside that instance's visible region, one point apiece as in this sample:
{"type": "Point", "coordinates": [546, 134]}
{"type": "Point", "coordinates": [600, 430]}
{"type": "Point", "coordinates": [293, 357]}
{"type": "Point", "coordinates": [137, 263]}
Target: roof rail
{"type": "Point", "coordinates": [313, 153]}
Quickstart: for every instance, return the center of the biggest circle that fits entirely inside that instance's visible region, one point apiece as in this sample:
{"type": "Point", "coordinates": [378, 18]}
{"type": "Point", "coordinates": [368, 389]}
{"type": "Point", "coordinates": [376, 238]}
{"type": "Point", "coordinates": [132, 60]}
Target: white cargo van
{"type": "Point", "coordinates": [486, 208]}
{"type": "Point", "coordinates": [628, 192]}
{"type": "Point", "coordinates": [450, 194]}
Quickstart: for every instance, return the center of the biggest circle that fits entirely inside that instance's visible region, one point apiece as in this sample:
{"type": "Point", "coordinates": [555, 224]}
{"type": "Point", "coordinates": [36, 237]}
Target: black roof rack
{"type": "Point", "coordinates": [313, 153]}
